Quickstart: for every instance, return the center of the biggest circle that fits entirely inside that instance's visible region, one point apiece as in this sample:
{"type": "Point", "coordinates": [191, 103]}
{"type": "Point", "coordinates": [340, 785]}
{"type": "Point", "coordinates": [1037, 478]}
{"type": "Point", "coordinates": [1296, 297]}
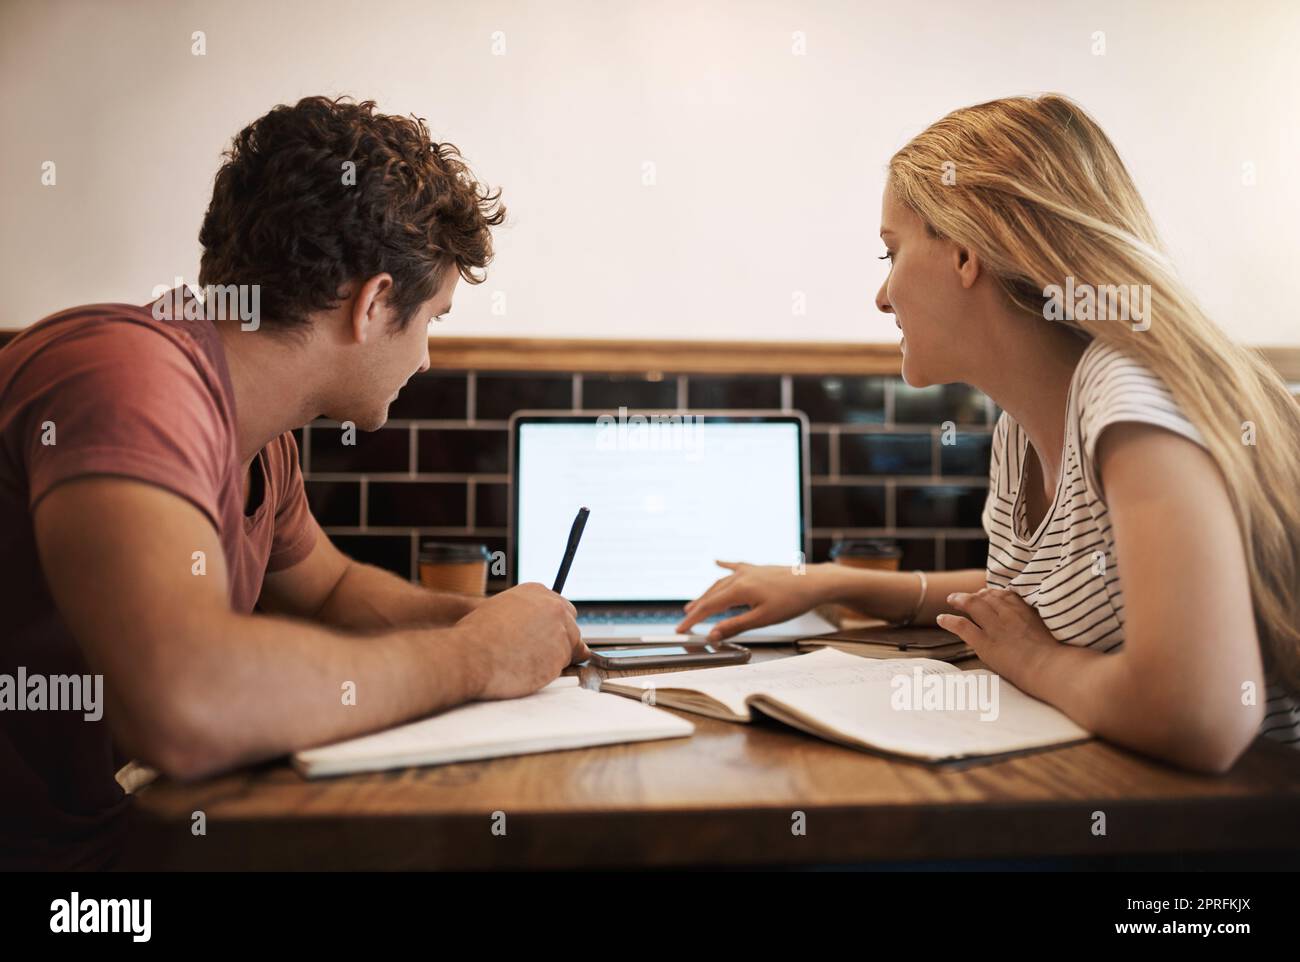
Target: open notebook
{"type": "Point", "coordinates": [885, 706]}
{"type": "Point", "coordinates": [561, 715]}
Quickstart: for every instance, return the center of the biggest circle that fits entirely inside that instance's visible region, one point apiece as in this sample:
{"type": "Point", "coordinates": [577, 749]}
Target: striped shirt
{"type": "Point", "coordinates": [1066, 568]}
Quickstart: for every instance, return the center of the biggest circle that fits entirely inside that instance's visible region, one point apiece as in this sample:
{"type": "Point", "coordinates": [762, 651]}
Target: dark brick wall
{"type": "Point", "coordinates": [439, 467]}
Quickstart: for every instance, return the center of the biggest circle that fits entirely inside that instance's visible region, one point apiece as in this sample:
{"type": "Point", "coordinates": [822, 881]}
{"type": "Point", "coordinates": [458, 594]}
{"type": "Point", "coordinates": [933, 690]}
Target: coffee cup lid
{"type": "Point", "coordinates": [453, 552]}
{"type": "Point", "coordinates": [866, 548]}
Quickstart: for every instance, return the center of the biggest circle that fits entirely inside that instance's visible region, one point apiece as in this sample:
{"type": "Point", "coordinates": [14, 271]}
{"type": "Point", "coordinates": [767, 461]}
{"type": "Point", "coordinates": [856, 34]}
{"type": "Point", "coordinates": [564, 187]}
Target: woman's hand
{"type": "Point", "coordinates": [774, 593]}
{"type": "Point", "coordinates": [1006, 632]}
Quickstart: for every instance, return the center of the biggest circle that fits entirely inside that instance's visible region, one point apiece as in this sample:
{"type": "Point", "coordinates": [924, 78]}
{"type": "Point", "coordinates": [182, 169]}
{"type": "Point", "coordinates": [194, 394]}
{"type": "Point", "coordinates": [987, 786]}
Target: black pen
{"type": "Point", "coordinates": [575, 535]}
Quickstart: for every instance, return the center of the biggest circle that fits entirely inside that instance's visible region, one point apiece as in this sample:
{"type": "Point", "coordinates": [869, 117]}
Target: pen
{"type": "Point", "coordinates": [575, 535]}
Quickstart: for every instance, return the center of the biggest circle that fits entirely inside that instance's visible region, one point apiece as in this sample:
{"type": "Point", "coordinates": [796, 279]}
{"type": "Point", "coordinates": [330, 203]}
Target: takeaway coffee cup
{"type": "Point", "coordinates": [878, 553]}
{"type": "Point", "coordinates": [455, 567]}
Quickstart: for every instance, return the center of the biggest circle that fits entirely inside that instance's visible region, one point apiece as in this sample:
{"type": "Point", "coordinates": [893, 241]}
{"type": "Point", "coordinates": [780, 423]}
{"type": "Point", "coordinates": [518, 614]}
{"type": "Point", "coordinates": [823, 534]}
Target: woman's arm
{"type": "Point", "coordinates": [777, 592]}
{"type": "Point", "coordinates": [892, 595]}
{"type": "Point", "coordinates": [1180, 687]}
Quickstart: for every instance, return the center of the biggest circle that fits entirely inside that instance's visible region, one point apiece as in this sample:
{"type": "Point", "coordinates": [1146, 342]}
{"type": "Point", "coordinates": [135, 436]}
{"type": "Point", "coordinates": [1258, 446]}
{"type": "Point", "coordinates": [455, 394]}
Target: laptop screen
{"type": "Point", "coordinates": [667, 498]}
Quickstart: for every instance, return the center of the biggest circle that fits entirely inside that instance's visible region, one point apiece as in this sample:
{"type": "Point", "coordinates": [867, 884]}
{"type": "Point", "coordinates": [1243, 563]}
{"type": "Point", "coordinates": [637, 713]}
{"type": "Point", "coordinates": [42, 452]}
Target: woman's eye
{"type": "Point", "coordinates": [886, 256]}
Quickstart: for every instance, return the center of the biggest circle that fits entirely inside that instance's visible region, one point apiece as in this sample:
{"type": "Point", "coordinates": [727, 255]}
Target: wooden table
{"type": "Point", "coordinates": [728, 796]}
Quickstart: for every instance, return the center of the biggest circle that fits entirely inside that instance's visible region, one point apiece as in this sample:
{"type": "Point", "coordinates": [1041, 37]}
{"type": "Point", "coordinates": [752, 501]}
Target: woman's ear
{"type": "Point", "coordinates": [369, 307]}
{"type": "Point", "coordinates": [967, 264]}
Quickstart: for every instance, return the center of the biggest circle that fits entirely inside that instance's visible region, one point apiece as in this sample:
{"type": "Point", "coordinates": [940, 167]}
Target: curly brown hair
{"type": "Point", "coordinates": [283, 215]}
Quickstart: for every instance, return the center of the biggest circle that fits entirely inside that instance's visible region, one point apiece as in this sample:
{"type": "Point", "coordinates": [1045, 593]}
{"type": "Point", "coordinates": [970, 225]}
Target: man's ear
{"type": "Point", "coordinates": [967, 264]}
{"type": "Point", "coordinates": [370, 307]}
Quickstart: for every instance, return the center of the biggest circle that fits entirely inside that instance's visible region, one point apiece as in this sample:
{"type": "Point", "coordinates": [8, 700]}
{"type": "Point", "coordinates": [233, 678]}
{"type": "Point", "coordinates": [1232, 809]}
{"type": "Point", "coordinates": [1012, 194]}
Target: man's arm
{"type": "Point", "coordinates": [193, 687]}
{"type": "Point", "coordinates": [332, 589]}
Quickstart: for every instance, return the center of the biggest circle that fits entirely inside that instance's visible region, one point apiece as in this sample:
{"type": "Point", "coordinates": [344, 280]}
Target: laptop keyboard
{"type": "Point", "coordinates": [647, 616]}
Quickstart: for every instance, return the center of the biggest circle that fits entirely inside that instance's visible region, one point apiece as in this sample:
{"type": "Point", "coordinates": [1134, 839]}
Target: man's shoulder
{"type": "Point", "coordinates": [108, 389]}
{"type": "Point", "coordinates": [112, 374]}
{"type": "Point", "coordinates": [124, 338]}
{"type": "Point", "coordinates": [69, 328]}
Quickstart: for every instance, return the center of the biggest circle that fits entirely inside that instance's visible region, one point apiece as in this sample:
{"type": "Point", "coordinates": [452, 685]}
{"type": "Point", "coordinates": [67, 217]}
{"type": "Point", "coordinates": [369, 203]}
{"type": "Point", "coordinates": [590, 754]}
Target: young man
{"type": "Point", "coordinates": [150, 495]}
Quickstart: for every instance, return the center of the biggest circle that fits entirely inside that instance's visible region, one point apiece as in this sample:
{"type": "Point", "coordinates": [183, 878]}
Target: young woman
{"type": "Point", "coordinates": [1144, 493]}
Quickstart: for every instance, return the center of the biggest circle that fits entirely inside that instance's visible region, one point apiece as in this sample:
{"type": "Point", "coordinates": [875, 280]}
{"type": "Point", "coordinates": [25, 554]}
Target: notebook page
{"type": "Point", "coordinates": [997, 717]}
{"type": "Point", "coordinates": [813, 673]}
{"type": "Point", "coordinates": [561, 715]}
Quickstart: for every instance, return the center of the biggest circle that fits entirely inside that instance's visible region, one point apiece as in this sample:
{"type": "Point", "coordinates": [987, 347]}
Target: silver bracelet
{"type": "Point", "coordinates": [920, 602]}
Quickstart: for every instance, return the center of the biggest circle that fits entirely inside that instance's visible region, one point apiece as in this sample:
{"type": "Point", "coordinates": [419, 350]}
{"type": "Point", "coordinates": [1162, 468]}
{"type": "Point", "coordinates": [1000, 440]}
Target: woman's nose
{"type": "Point", "coordinates": [882, 301]}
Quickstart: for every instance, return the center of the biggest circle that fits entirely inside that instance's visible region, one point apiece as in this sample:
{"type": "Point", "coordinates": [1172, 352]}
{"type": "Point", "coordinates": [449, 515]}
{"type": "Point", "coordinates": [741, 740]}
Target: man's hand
{"type": "Point", "coordinates": [454, 607]}
{"type": "Point", "coordinates": [525, 636]}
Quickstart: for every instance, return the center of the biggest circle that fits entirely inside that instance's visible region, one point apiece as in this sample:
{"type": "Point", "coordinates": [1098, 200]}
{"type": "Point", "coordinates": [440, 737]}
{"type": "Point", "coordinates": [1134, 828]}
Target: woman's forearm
{"type": "Point", "coordinates": [893, 595]}
{"type": "Point", "coordinates": [1107, 695]}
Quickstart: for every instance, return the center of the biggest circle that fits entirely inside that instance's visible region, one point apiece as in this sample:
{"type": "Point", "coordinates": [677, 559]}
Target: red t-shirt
{"type": "Point", "coordinates": [124, 394]}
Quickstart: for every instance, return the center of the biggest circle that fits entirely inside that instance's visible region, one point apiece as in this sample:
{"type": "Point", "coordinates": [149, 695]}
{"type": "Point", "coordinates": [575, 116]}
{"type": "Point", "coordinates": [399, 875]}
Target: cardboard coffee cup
{"type": "Point", "coordinates": [451, 566]}
{"type": "Point", "coordinates": [867, 553]}
{"type": "Point", "coordinates": [879, 553]}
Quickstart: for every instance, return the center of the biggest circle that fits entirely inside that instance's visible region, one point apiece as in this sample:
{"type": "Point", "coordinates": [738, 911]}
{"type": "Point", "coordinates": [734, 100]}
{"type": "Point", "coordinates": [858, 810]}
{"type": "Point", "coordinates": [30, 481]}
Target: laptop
{"type": "Point", "coordinates": [670, 492]}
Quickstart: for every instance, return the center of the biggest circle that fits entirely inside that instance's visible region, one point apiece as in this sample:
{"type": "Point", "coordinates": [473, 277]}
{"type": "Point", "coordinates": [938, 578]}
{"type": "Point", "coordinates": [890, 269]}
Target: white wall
{"type": "Point", "coordinates": [769, 165]}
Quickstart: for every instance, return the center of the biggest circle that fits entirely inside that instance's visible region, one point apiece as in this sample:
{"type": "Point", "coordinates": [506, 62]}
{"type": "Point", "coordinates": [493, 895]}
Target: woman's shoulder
{"type": "Point", "coordinates": [1111, 386]}
{"type": "Point", "coordinates": [1000, 439]}
{"type": "Point", "coordinates": [1107, 372]}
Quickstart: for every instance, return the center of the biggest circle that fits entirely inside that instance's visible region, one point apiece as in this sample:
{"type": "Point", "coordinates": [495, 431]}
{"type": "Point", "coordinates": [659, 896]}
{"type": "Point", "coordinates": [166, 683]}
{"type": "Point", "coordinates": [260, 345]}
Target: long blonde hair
{"type": "Point", "coordinates": [1037, 189]}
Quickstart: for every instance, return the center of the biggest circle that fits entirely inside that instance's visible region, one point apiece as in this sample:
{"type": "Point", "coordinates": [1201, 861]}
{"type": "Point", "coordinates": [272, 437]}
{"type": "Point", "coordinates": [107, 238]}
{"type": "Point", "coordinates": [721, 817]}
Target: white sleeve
{"type": "Point", "coordinates": [1117, 388]}
{"type": "Point", "coordinates": [997, 458]}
